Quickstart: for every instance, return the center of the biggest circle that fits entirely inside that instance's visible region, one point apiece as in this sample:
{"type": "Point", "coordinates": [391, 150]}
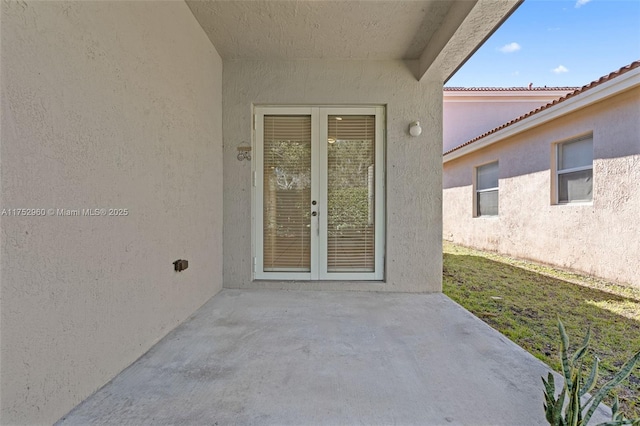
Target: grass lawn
{"type": "Point", "coordinates": [523, 299]}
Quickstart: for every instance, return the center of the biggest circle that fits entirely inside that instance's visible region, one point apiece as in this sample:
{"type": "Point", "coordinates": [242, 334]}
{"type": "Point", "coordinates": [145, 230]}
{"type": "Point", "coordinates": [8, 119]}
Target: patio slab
{"type": "Point", "coordinates": [325, 358]}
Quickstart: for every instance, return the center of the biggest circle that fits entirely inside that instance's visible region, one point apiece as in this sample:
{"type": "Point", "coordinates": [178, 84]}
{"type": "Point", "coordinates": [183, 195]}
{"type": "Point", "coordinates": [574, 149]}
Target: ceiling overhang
{"type": "Point", "coordinates": [437, 36]}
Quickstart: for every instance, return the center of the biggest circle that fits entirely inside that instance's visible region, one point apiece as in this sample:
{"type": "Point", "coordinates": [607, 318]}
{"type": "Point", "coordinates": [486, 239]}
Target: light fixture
{"type": "Point", "coordinates": [415, 129]}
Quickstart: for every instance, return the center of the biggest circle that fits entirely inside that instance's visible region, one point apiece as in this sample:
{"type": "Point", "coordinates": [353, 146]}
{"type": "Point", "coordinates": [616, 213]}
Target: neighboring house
{"type": "Point", "coordinates": [147, 110]}
{"type": "Point", "coordinates": [559, 185]}
{"type": "Point", "coordinates": [470, 111]}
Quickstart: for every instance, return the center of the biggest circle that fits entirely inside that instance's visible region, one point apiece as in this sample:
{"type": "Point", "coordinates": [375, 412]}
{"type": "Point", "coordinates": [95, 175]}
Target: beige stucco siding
{"type": "Point", "coordinates": [600, 238]}
{"type": "Point", "coordinates": [104, 105]}
{"type": "Point", "coordinates": [466, 119]}
{"type": "Point", "coordinates": [414, 215]}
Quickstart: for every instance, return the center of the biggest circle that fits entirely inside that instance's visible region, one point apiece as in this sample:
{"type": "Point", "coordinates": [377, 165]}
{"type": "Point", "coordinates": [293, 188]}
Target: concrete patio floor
{"type": "Point", "coordinates": [325, 358]}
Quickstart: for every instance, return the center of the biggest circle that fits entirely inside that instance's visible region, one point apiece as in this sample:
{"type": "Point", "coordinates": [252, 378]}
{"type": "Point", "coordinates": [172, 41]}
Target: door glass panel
{"type": "Point", "coordinates": [351, 193]}
{"type": "Point", "coordinates": [287, 193]}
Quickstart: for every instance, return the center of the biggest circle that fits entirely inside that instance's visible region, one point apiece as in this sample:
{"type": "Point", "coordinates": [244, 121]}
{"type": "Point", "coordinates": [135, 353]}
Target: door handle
{"type": "Point", "coordinates": [315, 214]}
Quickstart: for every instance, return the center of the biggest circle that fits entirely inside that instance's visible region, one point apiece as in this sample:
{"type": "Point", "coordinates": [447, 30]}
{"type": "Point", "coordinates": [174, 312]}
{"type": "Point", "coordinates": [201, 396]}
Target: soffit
{"type": "Point", "coordinates": [302, 29]}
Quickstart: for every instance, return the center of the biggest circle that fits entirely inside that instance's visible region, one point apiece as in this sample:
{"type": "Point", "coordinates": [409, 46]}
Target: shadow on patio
{"type": "Point", "coordinates": [277, 357]}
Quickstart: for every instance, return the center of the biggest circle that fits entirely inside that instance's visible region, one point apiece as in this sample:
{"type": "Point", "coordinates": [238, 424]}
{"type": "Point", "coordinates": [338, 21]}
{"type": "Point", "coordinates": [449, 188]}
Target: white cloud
{"type": "Point", "coordinates": [580, 3]}
{"type": "Point", "coordinates": [560, 69]}
{"type": "Point", "coordinates": [510, 48]}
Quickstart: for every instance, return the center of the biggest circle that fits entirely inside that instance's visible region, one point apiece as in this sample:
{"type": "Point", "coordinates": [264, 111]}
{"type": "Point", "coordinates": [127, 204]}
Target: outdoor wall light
{"type": "Point", "coordinates": [415, 129]}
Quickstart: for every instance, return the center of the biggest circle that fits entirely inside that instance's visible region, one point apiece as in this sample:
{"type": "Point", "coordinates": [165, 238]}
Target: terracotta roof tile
{"type": "Point", "coordinates": [601, 80]}
{"type": "Point", "coordinates": [505, 89]}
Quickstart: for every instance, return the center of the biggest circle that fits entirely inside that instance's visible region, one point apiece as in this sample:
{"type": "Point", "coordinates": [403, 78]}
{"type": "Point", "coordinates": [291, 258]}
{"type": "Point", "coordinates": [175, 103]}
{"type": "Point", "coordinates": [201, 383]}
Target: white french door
{"type": "Point", "coordinates": [319, 193]}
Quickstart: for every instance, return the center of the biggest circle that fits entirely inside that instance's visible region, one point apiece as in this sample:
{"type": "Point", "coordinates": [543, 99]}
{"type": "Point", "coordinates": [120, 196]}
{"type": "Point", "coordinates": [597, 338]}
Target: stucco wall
{"type": "Point", "coordinates": [599, 238]}
{"type": "Point", "coordinates": [414, 216]}
{"type": "Point", "coordinates": [464, 121]}
{"type": "Point", "coordinates": [104, 105]}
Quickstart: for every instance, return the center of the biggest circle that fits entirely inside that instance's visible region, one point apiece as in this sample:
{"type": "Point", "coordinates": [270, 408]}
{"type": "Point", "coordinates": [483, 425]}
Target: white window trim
{"type": "Point", "coordinates": [476, 191]}
{"type": "Point", "coordinates": [319, 271]}
{"type": "Point", "coordinates": [559, 172]}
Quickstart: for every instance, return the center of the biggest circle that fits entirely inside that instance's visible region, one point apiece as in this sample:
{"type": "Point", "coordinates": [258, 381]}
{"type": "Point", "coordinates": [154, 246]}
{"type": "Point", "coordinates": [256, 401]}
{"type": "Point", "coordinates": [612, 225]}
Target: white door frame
{"type": "Point", "coordinates": [319, 132]}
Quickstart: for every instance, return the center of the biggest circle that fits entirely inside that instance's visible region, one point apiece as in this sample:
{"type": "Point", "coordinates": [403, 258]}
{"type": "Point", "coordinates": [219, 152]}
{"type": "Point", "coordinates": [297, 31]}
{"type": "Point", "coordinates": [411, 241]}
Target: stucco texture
{"type": "Point", "coordinates": [601, 238]}
{"type": "Point", "coordinates": [463, 121]}
{"type": "Point", "coordinates": [104, 105]}
{"type": "Point", "coordinates": [413, 164]}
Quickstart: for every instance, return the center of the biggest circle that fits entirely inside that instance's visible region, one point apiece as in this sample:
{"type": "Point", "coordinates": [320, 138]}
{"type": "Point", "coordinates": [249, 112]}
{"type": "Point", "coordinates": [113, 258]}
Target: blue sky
{"type": "Point", "coordinates": [556, 43]}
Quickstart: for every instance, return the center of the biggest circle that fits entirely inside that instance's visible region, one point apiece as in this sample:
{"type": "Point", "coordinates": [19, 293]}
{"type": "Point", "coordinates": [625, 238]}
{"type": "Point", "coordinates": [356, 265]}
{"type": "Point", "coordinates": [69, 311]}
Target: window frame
{"type": "Point", "coordinates": [477, 192]}
{"type": "Point", "coordinates": [557, 171]}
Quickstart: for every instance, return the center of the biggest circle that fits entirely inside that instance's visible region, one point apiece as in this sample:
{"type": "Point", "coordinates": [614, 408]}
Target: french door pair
{"type": "Point", "coordinates": [319, 193]}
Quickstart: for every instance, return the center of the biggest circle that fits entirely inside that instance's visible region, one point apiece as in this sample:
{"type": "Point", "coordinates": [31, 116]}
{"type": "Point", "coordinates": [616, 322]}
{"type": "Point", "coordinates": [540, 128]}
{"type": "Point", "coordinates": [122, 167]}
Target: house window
{"type": "Point", "coordinates": [486, 194]}
{"type": "Point", "coordinates": [574, 175]}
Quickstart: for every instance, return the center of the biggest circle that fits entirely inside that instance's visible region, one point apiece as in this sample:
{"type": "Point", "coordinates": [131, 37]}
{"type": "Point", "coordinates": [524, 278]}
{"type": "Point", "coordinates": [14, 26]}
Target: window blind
{"type": "Point", "coordinates": [575, 170]}
{"type": "Point", "coordinates": [287, 193]}
{"type": "Point", "coordinates": [487, 190]}
{"type": "Point", "coordinates": [575, 186]}
{"type": "Point", "coordinates": [488, 176]}
{"type": "Point", "coordinates": [351, 193]}
{"type": "Point", "coordinates": [574, 154]}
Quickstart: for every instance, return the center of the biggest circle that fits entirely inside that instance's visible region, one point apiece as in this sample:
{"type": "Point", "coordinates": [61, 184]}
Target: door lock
{"type": "Point", "coordinates": [314, 213]}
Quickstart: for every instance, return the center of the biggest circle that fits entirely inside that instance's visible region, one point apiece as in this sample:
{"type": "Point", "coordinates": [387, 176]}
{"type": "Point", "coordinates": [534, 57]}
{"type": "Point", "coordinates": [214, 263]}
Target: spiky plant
{"type": "Point", "coordinates": [575, 387]}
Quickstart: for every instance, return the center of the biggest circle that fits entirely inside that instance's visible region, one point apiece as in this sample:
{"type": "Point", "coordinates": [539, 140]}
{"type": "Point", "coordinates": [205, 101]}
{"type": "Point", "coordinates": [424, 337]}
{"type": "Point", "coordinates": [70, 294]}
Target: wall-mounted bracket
{"type": "Point", "coordinates": [180, 265]}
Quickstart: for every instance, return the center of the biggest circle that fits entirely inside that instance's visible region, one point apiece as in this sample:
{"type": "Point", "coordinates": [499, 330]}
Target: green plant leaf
{"type": "Point", "coordinates": [557, 410]}
{"type": "Point", "coordinates": [617, 423]}
{"type": "Point", "coordinates": [615, 414]}
{"type": "Point", "coordinates": [574, 409]}
{"type": "Point", "coordinates": [583, 349]}
{"type": "Point", "coordinates": [591, 381]}
{"type": "Point", "coordinates": [549, 386]}
{"type": "Point", "coordinates": [550, 402]}
{"type": "Point", "coordinates": [566, 366]}
{"type": "Point", "coordinates": [622, 374]}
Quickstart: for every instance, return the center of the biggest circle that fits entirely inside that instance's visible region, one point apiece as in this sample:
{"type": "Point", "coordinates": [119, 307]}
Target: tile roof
{"type": "Point", "coordinates": [601, 80]}
{"type": "Point", "coordinates": [505, 89]}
